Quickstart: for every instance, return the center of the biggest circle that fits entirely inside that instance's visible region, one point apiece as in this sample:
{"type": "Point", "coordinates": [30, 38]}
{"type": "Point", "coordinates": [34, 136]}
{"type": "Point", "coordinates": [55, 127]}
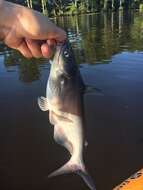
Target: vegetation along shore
{"type": "Point", "coordinates": [54, 8]}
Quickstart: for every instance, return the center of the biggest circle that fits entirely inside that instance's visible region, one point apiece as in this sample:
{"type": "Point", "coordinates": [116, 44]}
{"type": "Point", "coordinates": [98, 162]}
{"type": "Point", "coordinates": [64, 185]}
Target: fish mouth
{"type": "Point", "coordinates": [60, 47]}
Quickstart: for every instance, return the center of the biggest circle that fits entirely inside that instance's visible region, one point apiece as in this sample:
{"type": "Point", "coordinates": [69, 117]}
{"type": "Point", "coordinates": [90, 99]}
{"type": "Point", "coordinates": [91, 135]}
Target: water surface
{"type": "Point", "coordinates": [109, 51]}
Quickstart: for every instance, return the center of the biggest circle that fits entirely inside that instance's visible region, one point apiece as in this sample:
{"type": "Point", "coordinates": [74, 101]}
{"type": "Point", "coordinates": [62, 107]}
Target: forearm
{"type": "Point", "coordinates": [1, 29]}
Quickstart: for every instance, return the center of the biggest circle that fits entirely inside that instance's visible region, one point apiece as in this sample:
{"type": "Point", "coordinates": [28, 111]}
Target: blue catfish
{"type": "Point", "coordinates": [64, 102]}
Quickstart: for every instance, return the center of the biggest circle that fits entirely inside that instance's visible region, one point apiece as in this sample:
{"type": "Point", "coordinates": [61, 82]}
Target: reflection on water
{"type": "Point", "coordinates": [95, 39]}
{"type": "Point", "coordinates": [28, 69]}
{"type": "Point", "coordinates": [109, 50]}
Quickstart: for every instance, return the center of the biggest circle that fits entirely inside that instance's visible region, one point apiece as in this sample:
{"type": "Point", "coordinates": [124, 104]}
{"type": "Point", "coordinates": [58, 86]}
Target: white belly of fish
{"type": "Point", "coordinates": [67, 127]}
{"type": "Point", "coordinates": [67, 130]}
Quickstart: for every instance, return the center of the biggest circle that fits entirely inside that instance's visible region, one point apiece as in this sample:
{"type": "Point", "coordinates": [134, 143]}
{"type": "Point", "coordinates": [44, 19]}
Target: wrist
{"type": "Point", "coordinates": [1, 3]}
{"type": "Point", "coordinates": [8, 17]}
{"type": "Point", "coordinates": [1, 12]}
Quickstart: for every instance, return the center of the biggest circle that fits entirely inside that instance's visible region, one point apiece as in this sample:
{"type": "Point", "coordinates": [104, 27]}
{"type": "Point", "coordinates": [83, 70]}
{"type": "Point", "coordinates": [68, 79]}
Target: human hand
{"type": "Point", "coordinates": [28, 31]}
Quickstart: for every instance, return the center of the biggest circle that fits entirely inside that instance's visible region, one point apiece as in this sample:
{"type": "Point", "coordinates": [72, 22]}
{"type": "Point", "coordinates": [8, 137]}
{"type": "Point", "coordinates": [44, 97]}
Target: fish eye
{"type": "Point", "coordinates": [66, 54]}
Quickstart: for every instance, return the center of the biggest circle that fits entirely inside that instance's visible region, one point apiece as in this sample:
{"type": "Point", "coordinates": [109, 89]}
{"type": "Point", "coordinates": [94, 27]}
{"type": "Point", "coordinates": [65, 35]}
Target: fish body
{"type": "Point", "coordinates": [64, 102]}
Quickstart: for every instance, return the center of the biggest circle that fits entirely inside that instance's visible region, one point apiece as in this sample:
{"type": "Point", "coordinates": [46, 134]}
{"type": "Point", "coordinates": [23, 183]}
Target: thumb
{"type": "Point", "coordinates": [47, 30]}
{"type": "Point", "coordinates": [34, 25]}
{"type": "Point", "coordinates": [55, 33]}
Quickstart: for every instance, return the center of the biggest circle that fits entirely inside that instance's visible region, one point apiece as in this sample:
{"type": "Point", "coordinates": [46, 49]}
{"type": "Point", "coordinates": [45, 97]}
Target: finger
{"type": "Point", "coordinates": [51, 44]}
{"type": "Point", "coordinates": [24, 50]}
{"type": "Point", "coordinates": [46, 51]}
{"type": "Point", "coordinates": [48, 48]}
{"type": "Point", "coordinates": [34, 47]}
{"type": "Point", "coordinates": [49, 31]}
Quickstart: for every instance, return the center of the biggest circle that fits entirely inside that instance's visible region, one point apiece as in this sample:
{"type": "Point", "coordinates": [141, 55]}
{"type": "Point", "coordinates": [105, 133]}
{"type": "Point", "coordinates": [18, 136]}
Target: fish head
{"type": "Point", "coordinates": [63, 71]}
{"type": "Point", "coordinates": [64, 64]}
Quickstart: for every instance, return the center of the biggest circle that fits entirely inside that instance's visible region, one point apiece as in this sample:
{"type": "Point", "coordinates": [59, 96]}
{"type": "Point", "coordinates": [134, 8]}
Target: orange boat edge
{"type": "Point", "coordinates": [135, 182]}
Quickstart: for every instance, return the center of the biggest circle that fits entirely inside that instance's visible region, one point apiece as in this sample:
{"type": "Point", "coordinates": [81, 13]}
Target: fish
{"type": "Point", "coordinates": [64, 101]}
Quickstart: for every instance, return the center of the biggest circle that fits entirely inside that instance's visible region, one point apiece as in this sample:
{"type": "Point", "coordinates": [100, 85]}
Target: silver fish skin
{"type": "Point", "coordinates": [63, 100]}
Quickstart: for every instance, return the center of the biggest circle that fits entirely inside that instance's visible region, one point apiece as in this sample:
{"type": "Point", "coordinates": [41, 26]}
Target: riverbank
{"type": "Point", "coordinates": [95, 12]}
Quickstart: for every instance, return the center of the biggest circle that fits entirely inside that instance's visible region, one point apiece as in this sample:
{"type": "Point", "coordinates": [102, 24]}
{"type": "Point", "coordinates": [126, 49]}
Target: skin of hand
{"type": "Point", "coordinates": [28, 31]}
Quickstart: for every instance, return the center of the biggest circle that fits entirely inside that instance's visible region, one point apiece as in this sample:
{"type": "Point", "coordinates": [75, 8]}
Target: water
{"type": "Point", "coordinates": [109, 50]}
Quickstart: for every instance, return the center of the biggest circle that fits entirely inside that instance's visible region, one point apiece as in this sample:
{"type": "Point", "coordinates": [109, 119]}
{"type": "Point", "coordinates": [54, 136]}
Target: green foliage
{"type": "Point", "coordinates": [82, 8]}
{"type": "Point", "coordinates": [72, 7]}
{"type": "Point", "coordinates": [28, 68]}
{"type": "Point", "coordinates": [141, 7]}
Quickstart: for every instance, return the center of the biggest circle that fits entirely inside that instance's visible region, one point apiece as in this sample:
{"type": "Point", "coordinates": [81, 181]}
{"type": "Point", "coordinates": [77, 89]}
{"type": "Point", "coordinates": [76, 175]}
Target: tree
{"type": "Point", "coordinates": [44, 7]}
{"type": "Point", "coordinates": [29, 3]}
{"type": "Point", "coordinates": [105, 7]}
{"type": "Point", "coordinates": [69, 7]}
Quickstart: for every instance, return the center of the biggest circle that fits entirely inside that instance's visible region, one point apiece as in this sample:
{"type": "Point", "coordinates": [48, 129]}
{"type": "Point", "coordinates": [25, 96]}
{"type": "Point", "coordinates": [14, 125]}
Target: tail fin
{"type": "Point", "coordinates": [71, 167]}
{"type": "Point", "coordinates": [65, 169]}
{"type": "Point", "coordinates": [87, 179]}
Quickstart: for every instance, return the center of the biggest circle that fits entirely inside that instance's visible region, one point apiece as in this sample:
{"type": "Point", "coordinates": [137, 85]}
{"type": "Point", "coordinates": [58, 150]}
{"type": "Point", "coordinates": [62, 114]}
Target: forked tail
{"type": "Point", "coordinates": [71, 167]}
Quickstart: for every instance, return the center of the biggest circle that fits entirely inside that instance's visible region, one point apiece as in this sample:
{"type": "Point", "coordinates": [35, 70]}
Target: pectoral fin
{"type": "Point", "coordinates": [43, 103]}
